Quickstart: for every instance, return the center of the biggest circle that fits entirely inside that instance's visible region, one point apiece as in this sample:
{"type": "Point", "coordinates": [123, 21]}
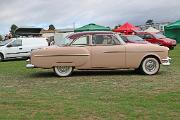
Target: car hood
{"type": "Point", "coordinates": [1, 47]}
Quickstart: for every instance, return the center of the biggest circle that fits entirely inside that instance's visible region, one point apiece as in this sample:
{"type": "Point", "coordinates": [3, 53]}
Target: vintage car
{"type": "Point", "coordinates": [99, 51]}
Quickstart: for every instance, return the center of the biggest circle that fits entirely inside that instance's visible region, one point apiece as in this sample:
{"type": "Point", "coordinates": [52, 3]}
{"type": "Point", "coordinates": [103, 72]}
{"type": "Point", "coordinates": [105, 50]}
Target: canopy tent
{"type": "Point", "coordinates": [127, 28]}
{"type": "Point", "coordinates": [92, 27]}
{"type": "Point", "coordinates": [173, 31]}
{"type": "Point", "coordinates": [152, 30]}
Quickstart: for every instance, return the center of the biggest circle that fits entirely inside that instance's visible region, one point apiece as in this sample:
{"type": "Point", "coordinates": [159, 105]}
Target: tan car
{"type": "Point", "coordinates": [99, 50]}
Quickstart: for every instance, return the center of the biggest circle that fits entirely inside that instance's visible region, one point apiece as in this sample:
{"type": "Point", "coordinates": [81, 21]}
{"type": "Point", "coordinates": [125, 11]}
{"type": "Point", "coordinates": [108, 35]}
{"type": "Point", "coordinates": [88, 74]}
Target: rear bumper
{"type": "Point", "coordinates": [29, 65]}
{"type": "Point", "coordinates": [166, 61]}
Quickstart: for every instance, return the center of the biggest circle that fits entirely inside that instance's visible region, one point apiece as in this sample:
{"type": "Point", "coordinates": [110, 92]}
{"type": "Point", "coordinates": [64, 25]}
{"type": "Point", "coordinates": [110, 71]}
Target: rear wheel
{"type": "Point", "coordinates": [150, 66]}
{"type": "Point", "coordinates": [1, 57]}
{"type": "Point", "coordinates": [63, 71]}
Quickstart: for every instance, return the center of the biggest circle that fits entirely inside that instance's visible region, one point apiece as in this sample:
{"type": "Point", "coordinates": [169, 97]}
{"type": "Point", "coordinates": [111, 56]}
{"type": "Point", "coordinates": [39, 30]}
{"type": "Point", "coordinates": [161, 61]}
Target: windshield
{"type": "Point", "coordinates": [159, 36]}
{"type": "Point", "coordinates": [134, 38]}
{"type": "Point", "coordinates": [2, 43]}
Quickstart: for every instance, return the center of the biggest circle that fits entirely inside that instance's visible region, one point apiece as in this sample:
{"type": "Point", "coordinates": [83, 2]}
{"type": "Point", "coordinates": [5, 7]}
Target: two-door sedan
{"type": "Point", "coordinates": [99, 51]}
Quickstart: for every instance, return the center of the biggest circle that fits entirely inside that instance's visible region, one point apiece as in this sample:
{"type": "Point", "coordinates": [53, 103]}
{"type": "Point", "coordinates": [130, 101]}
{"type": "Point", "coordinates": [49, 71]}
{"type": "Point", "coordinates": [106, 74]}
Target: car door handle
{"type": "Point", "coordinates": [20, 48]}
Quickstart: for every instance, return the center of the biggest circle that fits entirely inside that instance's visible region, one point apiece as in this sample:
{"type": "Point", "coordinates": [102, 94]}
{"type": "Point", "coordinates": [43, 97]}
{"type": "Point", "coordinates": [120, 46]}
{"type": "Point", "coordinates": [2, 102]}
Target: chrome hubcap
{"type": "Point", "coordinates": [63, 69]}
{"type": "Point", "coordinates": [150, 65]}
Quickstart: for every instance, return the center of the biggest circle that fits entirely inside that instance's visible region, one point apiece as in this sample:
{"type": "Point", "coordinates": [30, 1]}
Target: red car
{"type": "Point", "coordinates": [158, 38]}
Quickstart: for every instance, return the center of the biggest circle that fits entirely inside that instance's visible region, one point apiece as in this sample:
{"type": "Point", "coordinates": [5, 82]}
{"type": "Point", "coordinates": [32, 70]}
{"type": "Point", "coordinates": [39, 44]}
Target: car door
{"type": "Point", "coordinates": [107, 52]}
{"type": "Point", "coordinates": [14, 49]}
{"type": "Point", "coordinates": [81, 46]}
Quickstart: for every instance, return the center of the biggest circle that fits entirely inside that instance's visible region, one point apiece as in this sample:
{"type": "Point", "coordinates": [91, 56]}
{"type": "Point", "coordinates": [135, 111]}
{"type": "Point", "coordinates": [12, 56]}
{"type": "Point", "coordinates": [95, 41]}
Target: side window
{"type": "Point", "coordinates": [16, 43]}
{"type": "Point", "coordinates": [81, 41]}
{"type": "Point", "coordinates": [104, 40]}
{"type": "Point", "coordinates": [141, 35]}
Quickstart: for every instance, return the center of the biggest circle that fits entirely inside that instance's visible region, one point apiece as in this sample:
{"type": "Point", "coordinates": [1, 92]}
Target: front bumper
{"type": "Point", "coordinates": [166, 61]}
{"type": "Point", "coordinates": [29, 65]}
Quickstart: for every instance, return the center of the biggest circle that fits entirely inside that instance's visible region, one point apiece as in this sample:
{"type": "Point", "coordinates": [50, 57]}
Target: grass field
{"type": "Point", "coordinates": [38, 94]}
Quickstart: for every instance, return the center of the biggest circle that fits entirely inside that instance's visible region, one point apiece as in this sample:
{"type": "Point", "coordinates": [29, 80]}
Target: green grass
{"type": "Point", "coordinates": [39, 94]}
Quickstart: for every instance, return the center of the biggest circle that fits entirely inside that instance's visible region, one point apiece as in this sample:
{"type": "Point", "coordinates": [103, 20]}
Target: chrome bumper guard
{"type": "Point", "coordinates": [28, 65]}
{"type": "Point", "coordinates": [166, 61]}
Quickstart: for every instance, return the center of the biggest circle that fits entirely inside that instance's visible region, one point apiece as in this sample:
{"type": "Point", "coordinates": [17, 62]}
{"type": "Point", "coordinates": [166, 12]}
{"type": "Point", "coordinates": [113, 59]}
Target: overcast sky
{"type": "Point", "coordinates": [63, 13]}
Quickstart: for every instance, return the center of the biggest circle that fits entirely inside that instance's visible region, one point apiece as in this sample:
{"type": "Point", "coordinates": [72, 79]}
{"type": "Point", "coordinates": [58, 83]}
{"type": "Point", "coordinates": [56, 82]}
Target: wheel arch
{"type": "Point", "coordinates": [150, 55]}
{"type": "Point", "coordinates": [2, 54]}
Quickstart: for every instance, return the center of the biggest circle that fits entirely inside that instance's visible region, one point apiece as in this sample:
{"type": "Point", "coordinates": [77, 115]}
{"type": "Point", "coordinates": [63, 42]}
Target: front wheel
{"type": "Point", "coordinates": [63, 71]}
{"type": "Point", "coordinates": [150, 66]}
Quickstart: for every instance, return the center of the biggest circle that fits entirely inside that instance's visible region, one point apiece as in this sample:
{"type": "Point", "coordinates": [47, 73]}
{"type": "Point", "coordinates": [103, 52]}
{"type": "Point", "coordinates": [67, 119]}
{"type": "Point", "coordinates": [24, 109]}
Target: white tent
{"type": "Point", "coordinates": [151, 29]}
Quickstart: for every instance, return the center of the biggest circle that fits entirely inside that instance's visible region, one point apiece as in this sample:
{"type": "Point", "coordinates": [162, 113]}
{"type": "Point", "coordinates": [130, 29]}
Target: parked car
{"type": "Point", "coordinates": [99, 50]}
{"type": "Point", "coordinates": [133, 39]}
{"type": "Point", "coordinates": [158, 38]}
{"type": "Point", "coordinates": [20, 47]}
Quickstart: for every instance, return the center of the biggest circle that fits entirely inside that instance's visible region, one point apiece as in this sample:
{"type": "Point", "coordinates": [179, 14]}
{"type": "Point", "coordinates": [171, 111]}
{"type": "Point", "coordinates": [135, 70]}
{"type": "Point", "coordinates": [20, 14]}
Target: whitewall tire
{"type": "Point", "coordinates": [150, 66]}
{"type": "Point", "coordinates": [63, 71]}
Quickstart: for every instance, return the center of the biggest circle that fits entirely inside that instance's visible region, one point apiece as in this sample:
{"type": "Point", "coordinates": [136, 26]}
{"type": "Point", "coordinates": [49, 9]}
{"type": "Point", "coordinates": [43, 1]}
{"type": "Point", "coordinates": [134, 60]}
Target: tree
{"type": "Point", "coordinates": [150, 22]}
{"type": "Point", "coordinates": [13, 29]}
{"type": "Point", "coordinates": [51, 27]}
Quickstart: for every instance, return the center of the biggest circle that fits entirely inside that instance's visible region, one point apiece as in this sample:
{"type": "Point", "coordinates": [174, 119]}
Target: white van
{"type": "Point", "coordinates": [20, 47]}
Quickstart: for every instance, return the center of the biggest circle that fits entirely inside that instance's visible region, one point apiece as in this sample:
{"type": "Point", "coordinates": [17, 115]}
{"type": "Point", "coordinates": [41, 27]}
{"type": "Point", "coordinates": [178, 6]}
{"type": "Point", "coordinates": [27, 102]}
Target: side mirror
{"type": "Point", "coordinates": [9, 45]}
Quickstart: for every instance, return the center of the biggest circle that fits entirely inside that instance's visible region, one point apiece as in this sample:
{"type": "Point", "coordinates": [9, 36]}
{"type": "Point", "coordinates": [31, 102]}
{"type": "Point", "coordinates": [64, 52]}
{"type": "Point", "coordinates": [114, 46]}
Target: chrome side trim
{"type": "Point", "coordinates": [141, 51]}
{"type": "Point", "coordinates": [62, 55]}
{"type": "Point", "coordinates": [114, 52]}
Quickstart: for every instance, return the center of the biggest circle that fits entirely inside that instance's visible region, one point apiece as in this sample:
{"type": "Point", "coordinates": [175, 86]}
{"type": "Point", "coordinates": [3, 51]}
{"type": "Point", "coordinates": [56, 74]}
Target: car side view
{"type": "Point", "coordinates": [98, 51]}
{"type": "Point", "coordinates": [20, 47]}
{"type": "Point", "coordinates": [157, 38]}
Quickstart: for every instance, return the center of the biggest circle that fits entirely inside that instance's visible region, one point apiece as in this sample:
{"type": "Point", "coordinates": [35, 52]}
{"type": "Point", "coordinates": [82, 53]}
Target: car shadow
{"type": "Point", "coordinates": [14, 60]}
{"type": "Point", "coordinates": [84, 73]}
{"type": "Point", "coordinates": [48, 74]}
{"type": "Point", "coordinates": [104, 73]}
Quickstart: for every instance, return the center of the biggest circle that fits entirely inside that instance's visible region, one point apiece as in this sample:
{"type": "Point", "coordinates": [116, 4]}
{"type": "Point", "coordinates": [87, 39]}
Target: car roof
{"type": "Point", "coordinates": [95, 32]}
{"type": "Point", "coordinates": [78, 34]}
